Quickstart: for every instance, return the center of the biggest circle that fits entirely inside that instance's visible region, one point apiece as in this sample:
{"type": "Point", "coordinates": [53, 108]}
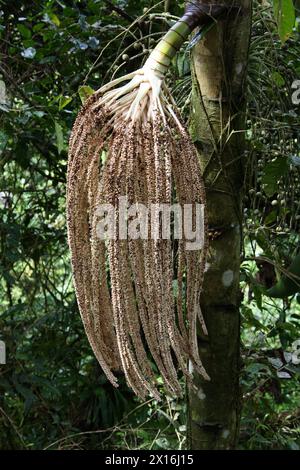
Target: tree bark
{"type": "Point", "coordinates": [217, 122]}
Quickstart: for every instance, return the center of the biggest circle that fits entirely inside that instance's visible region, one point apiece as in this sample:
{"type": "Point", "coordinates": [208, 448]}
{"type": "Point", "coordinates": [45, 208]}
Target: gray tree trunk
{"type": "Point", "coordinates": [217, 124]}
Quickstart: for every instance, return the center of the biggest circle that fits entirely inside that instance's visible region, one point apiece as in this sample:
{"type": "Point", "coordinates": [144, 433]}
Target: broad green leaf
{"type": "Point", "coordinates": [54, 18]}
{"type": "Point", "coordinates": [271, 217]}
{"type": "Point", "coordinates": [272, 173]}
{"type": "Point", "coordinates": [59, 137]}
{"type": "Point", "coordinates": [285, 17]}
{"type": "Point", "coordinates": [85, 92]}
{"type": "Point", "coordinates": [25, 32]}
{"type": "Point", "coordinates": [262, 240]}
{"type": "Point", "coordinates": [278, 79]}
{"type": "Point", "coordinates": [63, 102]}
{"type": "Point", "coordinates": [38, 27]}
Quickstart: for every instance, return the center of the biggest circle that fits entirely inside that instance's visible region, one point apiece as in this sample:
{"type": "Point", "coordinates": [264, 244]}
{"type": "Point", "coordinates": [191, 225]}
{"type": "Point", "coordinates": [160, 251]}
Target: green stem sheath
{"type": "Point", "coordinates": [160, 58]}
{"type": "Point", "coordinates": [196, 14]}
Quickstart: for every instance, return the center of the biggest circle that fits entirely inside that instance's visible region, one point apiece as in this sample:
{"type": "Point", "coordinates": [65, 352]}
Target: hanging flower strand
{"type": "Point", "coordinates": [129, 140]}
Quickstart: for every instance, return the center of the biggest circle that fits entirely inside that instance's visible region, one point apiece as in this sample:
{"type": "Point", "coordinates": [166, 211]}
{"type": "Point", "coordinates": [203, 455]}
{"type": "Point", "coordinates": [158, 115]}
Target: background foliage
{"type": "Point", "coordinates": [52, 392]}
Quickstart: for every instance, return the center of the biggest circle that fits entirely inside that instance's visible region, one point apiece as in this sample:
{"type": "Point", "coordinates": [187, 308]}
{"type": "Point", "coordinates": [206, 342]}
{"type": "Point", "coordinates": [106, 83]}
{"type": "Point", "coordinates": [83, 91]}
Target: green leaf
{"type": "Point", "coordinates": [278, 79]}
{"type": "Point", "coordinates": [54, 19]}
{"type": "Point", "coordinates": [273, 171]}
{"type": "Point", "coordinates": [85, 92]}
{"type": "Point", "coordinates": [63, 102]}
{"type": "Point", "coordinates": [38, 27]}
{"type": "Point", "coordinates": [271, 217]}
{"type": "Point", "coordinates": [285, 16]}
{"type": "Point", "coordinates": [262, 240]}
{"type": "Point", "coordinates": [25, 32]}
{"type": "Point", "coordinates": [59, 137]}
{"type": "Point", "coordinates": [287, 285]}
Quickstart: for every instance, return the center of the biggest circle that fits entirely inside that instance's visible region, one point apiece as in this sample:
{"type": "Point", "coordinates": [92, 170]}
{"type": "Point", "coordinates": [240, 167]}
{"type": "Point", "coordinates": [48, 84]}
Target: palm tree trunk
{"type": "Point", "coordinates": [217, 124]}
